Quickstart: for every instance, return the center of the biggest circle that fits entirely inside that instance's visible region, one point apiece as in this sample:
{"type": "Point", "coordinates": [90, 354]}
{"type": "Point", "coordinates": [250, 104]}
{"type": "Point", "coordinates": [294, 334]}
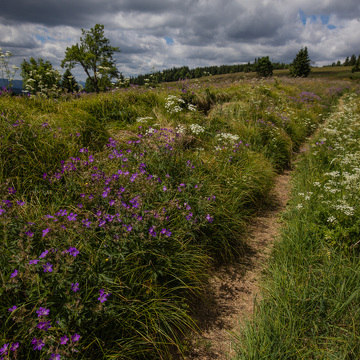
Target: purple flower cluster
{"type": "Point", "coordinates": [103, 297]}
{"type": "Point", "coordinates": [4, 350]}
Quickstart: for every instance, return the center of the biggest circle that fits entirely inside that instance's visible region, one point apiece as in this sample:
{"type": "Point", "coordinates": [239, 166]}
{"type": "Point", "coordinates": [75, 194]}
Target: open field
{"type": "Point", "coordinates": [114, 207]}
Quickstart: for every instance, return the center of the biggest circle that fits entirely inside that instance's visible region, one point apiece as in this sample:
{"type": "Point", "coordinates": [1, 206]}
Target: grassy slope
{"type": "Point", "coordinates": [311, 290]}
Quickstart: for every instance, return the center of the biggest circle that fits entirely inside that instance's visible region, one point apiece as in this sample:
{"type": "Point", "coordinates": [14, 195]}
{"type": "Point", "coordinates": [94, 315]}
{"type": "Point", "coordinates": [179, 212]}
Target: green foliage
{"type": "Point", "coordinates": [300, 66]}
{"type": "Point", "coordinates": [68, 82]}
{"type": "Point", "coordinates": [103, 84]}
{"type": "Point", "coordinates": [94, 54]}
{"type": "Point", "coordinates": [356, 67]}
{"type": "Point", "coordinates": [40, 78]}
{"type": "Point", "coordinates": [264, 67]}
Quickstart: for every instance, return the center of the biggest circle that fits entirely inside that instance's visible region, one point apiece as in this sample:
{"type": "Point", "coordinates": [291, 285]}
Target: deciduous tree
{"type": "Point", "coordinates": [94, 54]}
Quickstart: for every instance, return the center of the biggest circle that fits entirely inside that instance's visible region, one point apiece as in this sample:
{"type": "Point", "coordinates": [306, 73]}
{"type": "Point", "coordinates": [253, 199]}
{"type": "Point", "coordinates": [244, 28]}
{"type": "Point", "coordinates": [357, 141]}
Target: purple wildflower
{"type": "Point", "coordinates": [20, 203]}
{"type": "Point", "coordinates": [44, 325]}
{"type": "Point", "coordinates": [103, 296]}
{"type": "Point", "coordinates": [73, 251]}
{"type": "Point", "coordinates": [55, 357]}
{"type": "Point", "coordinates": [164, 188]}
{"type": "Point", "coordinates": [152, 231]}
{"type": "Point", "coordinates": [38, 343]}
{"type": "Point", "coordinates": [4, 349]}
{"type": "Point", "coordinates": [11, 190]}
{"type": "Point", "coordinates": [33, 262]}
{"type": "Point", "coordinates": [72, 217]}
{"type": "Point", "coordinates": [61, 212]}
{"type": "Point", "coordinates": [76, 337]}
{"type": "Point", "coordinates": [14, 346]}
{"type": "Point", "coordinates": [29, 233]}
{"type": "Point", "coordinates": [209, 218]}
{"type": "Point", "coordinates": [75, 287]}
{"type": "Point", "coordinates": [44, 232]}
{"type": "Point", "coordinates": [13, 308]}
{"type": "Point", "coordinates": [14, 274]}
{"type": "Point", "coordinates": [64, 340]}
{"type": "Point", "coordinates": [86, 222]}
{"type": "Point", "coordinates": [43, 254]}
{"type": "Point", "coordinates": [48, 267]}
{"type": "Point", "coordinates": [188, 217]}
{"type": "Point", "coordinates": [42, 312]}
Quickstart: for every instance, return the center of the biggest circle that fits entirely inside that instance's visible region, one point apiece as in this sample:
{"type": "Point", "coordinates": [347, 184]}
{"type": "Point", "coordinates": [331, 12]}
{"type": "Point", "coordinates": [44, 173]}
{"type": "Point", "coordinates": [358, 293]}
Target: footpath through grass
{"type": "Point", "coordinates": [311, 293]}
{"type": "Point", "coordinates": [114, 206]}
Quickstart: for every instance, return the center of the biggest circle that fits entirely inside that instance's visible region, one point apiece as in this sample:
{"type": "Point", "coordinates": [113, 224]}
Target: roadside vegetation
{"type": "Point", "coordinates": [114, 206]}
{"type": "Point", "coordinates": [310, 294]}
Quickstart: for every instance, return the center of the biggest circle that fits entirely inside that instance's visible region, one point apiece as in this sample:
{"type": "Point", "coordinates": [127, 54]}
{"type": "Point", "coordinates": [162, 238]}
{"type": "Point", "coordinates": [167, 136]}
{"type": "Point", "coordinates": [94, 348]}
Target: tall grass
{"type": "Point", "coordinates": [114, 207]}
{"type": "Point", "coordinates": [310, 297]}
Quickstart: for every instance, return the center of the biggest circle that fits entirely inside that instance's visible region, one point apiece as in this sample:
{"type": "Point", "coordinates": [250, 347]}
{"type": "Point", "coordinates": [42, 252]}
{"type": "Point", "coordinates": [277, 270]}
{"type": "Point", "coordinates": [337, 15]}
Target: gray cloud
{"type": "Point", "coordinates": [166, 33]}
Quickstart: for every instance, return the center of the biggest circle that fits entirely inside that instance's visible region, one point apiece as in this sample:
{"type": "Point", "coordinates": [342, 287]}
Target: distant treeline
{"type": "Point", "coordinates": [184, 72]}
{"type": "Point", "coordinates": [349, 61]}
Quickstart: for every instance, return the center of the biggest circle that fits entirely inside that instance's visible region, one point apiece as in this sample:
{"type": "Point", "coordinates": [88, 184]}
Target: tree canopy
{"type": "Point", "coordinates": [94, 54]}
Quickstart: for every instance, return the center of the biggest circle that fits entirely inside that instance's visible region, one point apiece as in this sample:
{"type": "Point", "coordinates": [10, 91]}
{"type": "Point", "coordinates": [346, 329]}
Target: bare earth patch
{"type": "Point", "coordinates": [233, 288]}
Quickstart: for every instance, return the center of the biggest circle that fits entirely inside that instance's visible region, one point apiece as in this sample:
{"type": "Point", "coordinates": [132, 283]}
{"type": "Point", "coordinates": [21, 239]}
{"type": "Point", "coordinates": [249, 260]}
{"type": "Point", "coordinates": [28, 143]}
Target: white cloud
{"type": "Point", "coordinates": [204, 32]}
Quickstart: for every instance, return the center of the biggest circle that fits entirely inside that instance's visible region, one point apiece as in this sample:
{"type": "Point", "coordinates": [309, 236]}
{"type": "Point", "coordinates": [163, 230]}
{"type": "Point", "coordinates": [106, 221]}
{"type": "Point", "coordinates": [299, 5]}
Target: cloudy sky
{"type": "Point", "coordinates": [160, 34]}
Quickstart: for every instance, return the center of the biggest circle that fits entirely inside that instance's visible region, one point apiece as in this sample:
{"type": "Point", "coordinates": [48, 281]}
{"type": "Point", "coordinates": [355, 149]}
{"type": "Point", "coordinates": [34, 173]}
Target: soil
{"type": "Point", "coordinates": [234, 288]}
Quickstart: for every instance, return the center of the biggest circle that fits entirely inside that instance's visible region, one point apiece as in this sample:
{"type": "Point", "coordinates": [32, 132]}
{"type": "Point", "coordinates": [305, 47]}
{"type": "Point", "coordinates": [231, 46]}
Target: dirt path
{"type": "Point", "coordinates": [234, 288]}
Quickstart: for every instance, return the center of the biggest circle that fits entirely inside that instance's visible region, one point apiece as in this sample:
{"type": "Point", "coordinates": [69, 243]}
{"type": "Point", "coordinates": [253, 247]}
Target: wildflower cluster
{"type": "Point", "coordinates": [335, 193]}
{"type": "Point", "coordinates": [115, 210]}
{"type": "Point", "coordinates": [175, 104]}
{"type": "Point", "coordinates": [7, 72]}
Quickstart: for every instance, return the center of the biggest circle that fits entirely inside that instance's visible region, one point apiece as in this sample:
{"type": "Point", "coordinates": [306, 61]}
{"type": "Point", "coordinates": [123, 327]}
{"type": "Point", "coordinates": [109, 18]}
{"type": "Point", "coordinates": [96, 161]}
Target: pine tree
{"type": "Point", "coordinates": [264, 67]}
{"type": "Point", "coordinates": [356, 67]}
{"type": "Point", "coordinates": [352, 61]}
{"type": "Point", "coordinates": [300, 66]}
{"type": "Point", "coordinates": [68, 82]}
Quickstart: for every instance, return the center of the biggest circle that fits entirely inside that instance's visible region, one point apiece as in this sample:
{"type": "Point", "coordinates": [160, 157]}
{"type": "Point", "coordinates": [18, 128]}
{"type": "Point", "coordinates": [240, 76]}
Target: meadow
{"type": "Point", "coordinates": [114, 207]}
{"type": "Point", "coordinates": [310, 294]}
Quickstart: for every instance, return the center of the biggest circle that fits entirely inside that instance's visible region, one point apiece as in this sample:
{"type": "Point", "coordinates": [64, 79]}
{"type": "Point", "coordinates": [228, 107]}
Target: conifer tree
{"type": "Point", "coordinates": [356, 67]}
{"type": "Point", "coordinates": [68, 82]}
{"type": "Point", "coordinates": [300, 66]}
{"type": "Point", "coordinates": [264, 67]}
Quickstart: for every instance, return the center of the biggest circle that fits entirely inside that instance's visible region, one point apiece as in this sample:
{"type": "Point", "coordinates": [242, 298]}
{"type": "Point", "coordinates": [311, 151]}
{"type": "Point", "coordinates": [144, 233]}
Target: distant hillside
{"type": "Point", "coordinates": [17, 88]}
{"type": "Point", "coordinates": [18, 85]}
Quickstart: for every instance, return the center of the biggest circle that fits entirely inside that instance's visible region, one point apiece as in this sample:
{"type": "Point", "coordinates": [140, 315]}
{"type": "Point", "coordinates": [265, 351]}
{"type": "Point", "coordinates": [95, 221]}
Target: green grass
{"type": "Point", "coordinates": [310, 294]}
{"type": "Point", "coordinates": [136, 220]}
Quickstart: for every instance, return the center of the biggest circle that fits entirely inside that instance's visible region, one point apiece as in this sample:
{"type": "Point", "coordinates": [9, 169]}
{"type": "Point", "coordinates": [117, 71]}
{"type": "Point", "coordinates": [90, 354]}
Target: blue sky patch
{"type": "Point", "coordinates": [169, 40]}
{"type": "Point", "coordinates": [43, 39]}
{"type": "Point", "coordinates": [302, 17]}
{"type": "Point", "coordinates": [331, 27]}
{"type": "Point", "coordinates": [324, 19]}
